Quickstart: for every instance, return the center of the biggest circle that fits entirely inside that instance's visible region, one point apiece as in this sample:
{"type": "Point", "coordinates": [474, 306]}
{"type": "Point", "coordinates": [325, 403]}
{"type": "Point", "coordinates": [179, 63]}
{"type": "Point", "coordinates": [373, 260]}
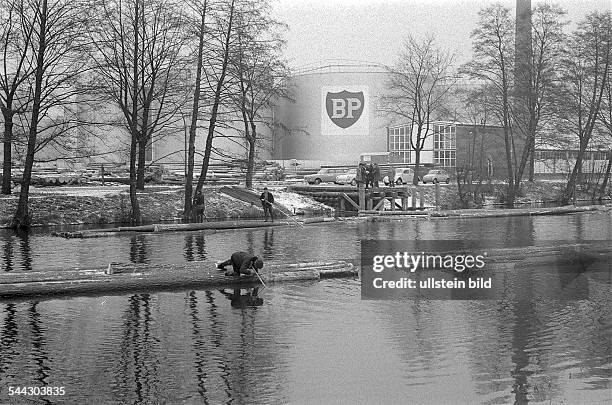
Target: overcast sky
{"type": "Point", "coordinates": [372, 30]}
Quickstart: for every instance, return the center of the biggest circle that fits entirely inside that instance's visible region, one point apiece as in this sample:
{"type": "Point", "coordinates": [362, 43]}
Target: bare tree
{"type": "Point", "coordinates": [200, 11]}
{"type": "Point", "coordinates": [586, 69]}
{"type": "Point", "coordinates": [224, 21]}
{"type": "Point", "coordinates": [493, 64]}
{"type": "Point", "coordinates": [17, 70]}
{"type": "Point", "coordinates": [605, 116]}
{"type": "Point", "coordinates": [138, 61]}
{"type": "Point", "coordinates": [537, 80]}
{"type": "Point", "coordinates": [419, 84]}
{"type": "Point", "coordinates": [57, 46]}
{"type": "Point", "coordinates": [259, 72]}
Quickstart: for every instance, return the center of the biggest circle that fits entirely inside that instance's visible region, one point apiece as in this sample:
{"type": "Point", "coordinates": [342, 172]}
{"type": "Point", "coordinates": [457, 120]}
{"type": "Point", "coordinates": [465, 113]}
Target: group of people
{"type": "Point", "coordinates": [370, 175]}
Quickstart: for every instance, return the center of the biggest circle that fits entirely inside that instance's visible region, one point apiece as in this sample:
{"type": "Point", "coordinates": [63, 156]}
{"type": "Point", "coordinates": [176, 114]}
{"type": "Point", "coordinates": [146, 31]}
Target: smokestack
{"type": "Point", "coordinates": [522, 45]}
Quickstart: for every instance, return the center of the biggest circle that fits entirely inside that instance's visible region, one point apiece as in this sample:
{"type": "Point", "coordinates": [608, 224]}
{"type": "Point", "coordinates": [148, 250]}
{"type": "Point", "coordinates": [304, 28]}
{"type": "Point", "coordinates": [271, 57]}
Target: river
{"type": "Point", "coordinates": [303, 342]}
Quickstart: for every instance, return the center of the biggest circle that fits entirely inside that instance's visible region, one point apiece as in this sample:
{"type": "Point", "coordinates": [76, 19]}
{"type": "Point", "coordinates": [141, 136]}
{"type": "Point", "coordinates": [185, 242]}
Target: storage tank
{"type": "Point", "coordinates": [334, 116]}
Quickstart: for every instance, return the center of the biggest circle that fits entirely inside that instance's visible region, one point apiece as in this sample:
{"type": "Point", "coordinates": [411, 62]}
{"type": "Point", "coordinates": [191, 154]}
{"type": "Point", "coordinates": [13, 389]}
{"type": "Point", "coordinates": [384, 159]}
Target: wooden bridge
{"type": "Point", "coordinates": [350, 200]}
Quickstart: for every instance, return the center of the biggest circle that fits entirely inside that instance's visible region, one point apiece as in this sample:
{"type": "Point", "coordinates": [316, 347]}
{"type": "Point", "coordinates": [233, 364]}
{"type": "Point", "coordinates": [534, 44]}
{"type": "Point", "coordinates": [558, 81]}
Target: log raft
{"type": "Point", "coordinates": [117, 277]}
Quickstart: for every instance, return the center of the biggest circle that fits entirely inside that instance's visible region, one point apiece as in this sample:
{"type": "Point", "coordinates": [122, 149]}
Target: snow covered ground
{"type": "Point", "coordinates": [296, 202]}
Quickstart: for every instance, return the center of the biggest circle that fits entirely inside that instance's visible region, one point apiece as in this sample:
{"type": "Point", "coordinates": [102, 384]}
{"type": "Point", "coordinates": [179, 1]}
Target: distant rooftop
{"type": "Point", "coordinates": [340, 66]}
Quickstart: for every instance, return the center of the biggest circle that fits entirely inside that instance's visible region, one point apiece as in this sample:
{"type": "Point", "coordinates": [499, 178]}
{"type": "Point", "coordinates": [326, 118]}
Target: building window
{"type": "Point", "coordinates": [445, 145]}
{"type": "Point", "coordinates": [399, 142]}
{"type": "Point", "coordinates": [446, 158]}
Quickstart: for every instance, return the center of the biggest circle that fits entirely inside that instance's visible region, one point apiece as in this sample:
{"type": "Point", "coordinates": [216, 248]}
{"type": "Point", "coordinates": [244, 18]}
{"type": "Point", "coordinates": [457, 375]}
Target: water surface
{"type": "Point", "coordinates": [308, 342]}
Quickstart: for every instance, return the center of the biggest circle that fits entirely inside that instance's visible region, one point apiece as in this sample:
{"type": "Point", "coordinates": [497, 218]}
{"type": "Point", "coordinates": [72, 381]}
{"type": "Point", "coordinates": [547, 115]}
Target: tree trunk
{"type": "Point", "coordinates": [570, 189]}
{"type": "Point", "coordinates": [251, 157]}
{"type": "Point", "coordinates": [532, 164]}
{"type": "Point", "coordinates": [417, 165]}
{"type": "Point", "coordinates": [135, 211]}
{"type": "Point", "coordinates": [194, 121]}
{"type": "Point", "coordinates": [511, 194]}
{"type": "Point", "coordinates": [215, 110]}
{"type": "Point", "coordinates": [8, 145]}
{"type": "Point", "coordinates": [22, 216]}
{"type": "Point", "coordinates": [140, 175]}
{"type": "Point", "coordinates": [604, 184]}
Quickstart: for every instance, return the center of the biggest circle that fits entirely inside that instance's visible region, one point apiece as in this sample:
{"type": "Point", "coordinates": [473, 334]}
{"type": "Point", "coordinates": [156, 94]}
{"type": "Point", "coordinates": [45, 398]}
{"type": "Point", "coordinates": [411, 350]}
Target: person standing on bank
{"type": "Point", "coordinates": [242, 263]}
{"type": "Point", "coordinates": [371, 174]}
{"type": "Point", "coordinates": [267, 199]}
{"type": "Point", "coordinates": [375, 175]}
{"type": "Point", "coordinates": [391, 175]}
{"type": "Point", "coordinates": [362, 174]}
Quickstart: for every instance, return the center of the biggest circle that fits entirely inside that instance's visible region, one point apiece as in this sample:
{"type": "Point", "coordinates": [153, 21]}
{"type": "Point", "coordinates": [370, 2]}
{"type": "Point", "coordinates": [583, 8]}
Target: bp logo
{"type": "Point", "coordinates": [344, 108]}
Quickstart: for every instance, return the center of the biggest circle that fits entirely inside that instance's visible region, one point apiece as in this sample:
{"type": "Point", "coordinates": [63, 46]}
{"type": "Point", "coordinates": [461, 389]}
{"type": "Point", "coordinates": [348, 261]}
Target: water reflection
{"type": "Point", "coordinates": [195, 247]}
{"type": "Point", "coordinates": [309, 342]}
{"type": "Point", "coordinates": [139, 249]}
{"type": "Point", "coordinates": [240, 300]}
{"type": "Point", "coordinates": [268, 243]}
{"type": "Point", "coordinates": [138, 365]}
{"type": "Point", "coordinates": [9, 255]}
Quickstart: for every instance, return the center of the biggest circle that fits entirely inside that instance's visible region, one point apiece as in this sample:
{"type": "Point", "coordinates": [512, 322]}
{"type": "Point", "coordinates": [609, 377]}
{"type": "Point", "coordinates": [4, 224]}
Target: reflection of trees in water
{"type": "Point", "coordinates": [10, 354]}
{"type": "Point", "coordinates": [26, 252]}
{"type": "Point", "coordinates": [217, 337]}
{"type": "Point", "coordinates": [39, 353]}
{"type": "Point", "coordinates": [268, 243]}
{"type": "Point", "coordinates": [8, 252]}
{"type": "Point", "coordinates": [8, 339]}
{"type": "Point", "coordinates": [139, 249]}
{"type": "Point", "coordinates": [250, 242]}
{"type": "Point", "coordinates": [138, 365]}
{"type": "Point", "coordinates": [199, 345]}
{"type": "Point", "coordinates": [195, 247]}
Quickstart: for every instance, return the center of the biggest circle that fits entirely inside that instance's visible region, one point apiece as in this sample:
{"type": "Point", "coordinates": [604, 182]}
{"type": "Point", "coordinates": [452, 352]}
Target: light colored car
{"type": "Point", "coordinates": [349, 177]}
{"type": "Point", "coordinates": [326, 174]}
{"type": "Point", "coordinates": [403, 175]}
{"type": "Point", "coordinates": [435, 176]}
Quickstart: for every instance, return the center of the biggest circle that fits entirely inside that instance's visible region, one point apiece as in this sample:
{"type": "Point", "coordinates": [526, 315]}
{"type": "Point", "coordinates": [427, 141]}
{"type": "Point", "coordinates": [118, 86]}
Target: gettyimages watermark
{"type": "Point", "coordinates": [476, 270]}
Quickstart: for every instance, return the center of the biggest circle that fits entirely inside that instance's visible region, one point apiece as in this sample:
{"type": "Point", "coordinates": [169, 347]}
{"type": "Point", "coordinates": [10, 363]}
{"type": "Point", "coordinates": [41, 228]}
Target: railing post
{"type": "Point", "coordinates": [362, 196]}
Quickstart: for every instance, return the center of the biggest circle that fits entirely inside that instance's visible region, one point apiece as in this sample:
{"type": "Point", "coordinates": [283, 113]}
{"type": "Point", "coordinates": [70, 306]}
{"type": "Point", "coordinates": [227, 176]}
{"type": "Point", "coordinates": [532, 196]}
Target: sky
{"type": "Point", "coordinates": [372, 30]}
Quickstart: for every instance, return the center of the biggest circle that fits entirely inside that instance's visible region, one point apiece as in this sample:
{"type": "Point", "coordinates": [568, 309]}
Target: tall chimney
{"type": "Point", "coordinates": [522, 45]}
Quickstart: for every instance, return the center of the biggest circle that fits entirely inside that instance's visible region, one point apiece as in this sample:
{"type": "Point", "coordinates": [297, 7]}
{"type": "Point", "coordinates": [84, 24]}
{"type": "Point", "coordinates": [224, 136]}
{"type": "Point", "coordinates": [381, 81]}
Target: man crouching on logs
{"type": "Point", "coordinates": [243, 263]}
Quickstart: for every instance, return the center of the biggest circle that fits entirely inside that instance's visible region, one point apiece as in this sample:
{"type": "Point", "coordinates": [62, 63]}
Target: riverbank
{"type": "Point", "coordinates": [102, 205]}
{"type": "Point", "coordinates": [107, 205]}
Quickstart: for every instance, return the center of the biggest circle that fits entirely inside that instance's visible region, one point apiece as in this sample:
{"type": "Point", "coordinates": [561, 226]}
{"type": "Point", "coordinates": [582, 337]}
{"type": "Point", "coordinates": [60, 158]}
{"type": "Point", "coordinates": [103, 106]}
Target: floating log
{"type": "Point", "coordinates": [514, 212]}
{"type": "Point", "coordinates": [131, 277]}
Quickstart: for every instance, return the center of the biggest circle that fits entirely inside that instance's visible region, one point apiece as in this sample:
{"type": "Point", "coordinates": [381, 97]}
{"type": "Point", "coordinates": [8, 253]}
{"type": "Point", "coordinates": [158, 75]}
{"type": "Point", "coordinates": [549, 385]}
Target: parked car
{"type": "Point", "coordinates": [403, 175]}
{"type": "Point", "coordinates": [326, 174]}
{"type": "Point", "coordinates": [349, 177]}
{"type": "Point", "coordinates": [436, 175]}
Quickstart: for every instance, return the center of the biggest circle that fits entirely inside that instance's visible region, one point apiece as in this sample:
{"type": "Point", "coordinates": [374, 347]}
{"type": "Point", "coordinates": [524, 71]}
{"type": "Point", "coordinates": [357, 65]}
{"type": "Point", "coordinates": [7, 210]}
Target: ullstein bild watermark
{"type": "Point", "coordinates": [466, 270]}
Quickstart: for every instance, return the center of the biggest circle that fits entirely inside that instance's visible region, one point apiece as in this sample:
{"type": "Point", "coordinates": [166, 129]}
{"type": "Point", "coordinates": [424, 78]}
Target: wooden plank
{"type": "Point", "coordinates": [350, 200]}
{"type": "Point", "coordinates": [380, 204]}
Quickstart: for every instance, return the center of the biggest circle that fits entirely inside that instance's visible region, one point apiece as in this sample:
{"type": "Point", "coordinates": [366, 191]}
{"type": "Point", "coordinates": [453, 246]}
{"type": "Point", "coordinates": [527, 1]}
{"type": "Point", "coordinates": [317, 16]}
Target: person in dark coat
{"type": "Point", "coordinates": [362, 174]}
{"type": "Point", "coordinates": [242, 263]}
{"type": "Point", "coordinates": [370, 178]}
{"type": "Point", "coordinates": [267, 199]}
{"type": "Point", "coordinates": [375, 175]}
{"type": "Point", "coordinates": [198, 206]}
{"type": "Point", "coordinates": [391, 175]}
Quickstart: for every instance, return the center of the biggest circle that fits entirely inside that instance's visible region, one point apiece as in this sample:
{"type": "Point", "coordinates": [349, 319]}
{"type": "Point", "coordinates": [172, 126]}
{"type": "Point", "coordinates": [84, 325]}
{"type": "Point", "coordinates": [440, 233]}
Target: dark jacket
{"type": "Point", "coordinates": [242, 261]}
{"type": "Point", "coordinates": [268, 200]}
{"type": "Point", "coordinates": [375, 172]}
